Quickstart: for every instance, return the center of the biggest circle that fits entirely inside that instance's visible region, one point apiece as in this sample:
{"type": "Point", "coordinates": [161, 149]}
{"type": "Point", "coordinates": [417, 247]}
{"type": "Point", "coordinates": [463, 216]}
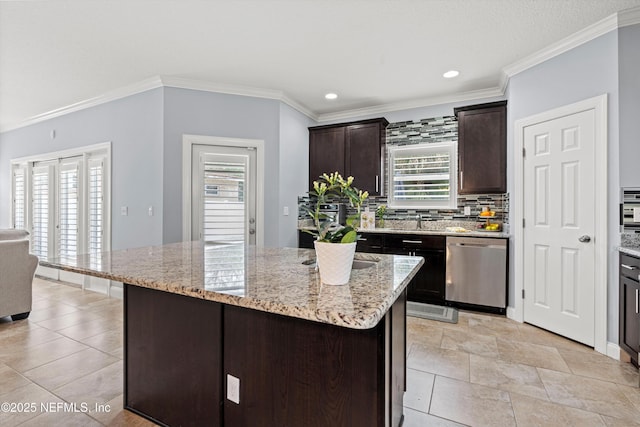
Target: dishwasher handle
{"type": "Point", "coordinates": [478, 245]}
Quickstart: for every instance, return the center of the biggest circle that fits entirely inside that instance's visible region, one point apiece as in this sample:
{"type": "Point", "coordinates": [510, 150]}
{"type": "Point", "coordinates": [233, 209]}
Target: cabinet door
{"type": "Point", "coordinates": [629, 317]}
{"type": "Point", "coordinates": [363, 156]}
{"type": "Point", "coordinates": [326, 152]}
{"type": "Point", "coordinates": [370, 243]}
{"type": "Point", "coordinates": [482, 146]}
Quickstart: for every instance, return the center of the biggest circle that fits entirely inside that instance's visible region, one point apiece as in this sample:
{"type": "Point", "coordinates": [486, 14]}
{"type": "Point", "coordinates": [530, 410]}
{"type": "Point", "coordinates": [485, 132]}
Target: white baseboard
{"type": "Point", "coordinates": [613, 350]}
{"type": "Point", "coordinates": [511, 314]}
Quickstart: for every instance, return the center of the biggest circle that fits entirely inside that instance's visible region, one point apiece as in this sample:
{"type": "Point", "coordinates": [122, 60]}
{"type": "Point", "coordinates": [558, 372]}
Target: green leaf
{"type": "Point", "coordinates": [349, 237]}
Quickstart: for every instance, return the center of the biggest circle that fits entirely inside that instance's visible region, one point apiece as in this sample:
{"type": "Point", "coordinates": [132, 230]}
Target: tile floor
{"type": "Point", "coordinates": [483, 371]}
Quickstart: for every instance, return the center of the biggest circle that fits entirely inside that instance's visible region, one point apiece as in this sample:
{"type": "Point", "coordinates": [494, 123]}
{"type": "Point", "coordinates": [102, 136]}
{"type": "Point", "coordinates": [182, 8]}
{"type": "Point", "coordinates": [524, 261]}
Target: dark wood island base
{"type": "Point", "coordinates": [293, 372]}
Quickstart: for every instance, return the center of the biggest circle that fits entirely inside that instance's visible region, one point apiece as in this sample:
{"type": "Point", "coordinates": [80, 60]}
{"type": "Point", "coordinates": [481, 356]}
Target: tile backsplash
{"type": "Point", "coordinates": [432, 130]}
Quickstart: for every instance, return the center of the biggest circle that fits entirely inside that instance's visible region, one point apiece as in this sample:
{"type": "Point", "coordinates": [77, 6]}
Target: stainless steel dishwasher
{"type": "Point", "coordinates": [477, 271]}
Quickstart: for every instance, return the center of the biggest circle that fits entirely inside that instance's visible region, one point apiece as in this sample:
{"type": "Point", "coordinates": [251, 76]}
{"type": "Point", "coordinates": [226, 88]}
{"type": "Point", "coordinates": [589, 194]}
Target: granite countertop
{"type": "Point", "coordinates": [469, 233]}
{"type": "Point", "coordinates": [633, 251]}
{"type": "Point", "coordinates": [274, 280]}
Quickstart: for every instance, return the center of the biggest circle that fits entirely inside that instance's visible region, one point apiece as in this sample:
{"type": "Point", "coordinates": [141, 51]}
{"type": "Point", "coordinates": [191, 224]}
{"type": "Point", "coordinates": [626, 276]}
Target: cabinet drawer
{"type": "Point", "coordinates": [407, 241]}
{"type": "Point", "coordinates": [629, 266]}
{"type": "Point", "coordinates": [370, 242]}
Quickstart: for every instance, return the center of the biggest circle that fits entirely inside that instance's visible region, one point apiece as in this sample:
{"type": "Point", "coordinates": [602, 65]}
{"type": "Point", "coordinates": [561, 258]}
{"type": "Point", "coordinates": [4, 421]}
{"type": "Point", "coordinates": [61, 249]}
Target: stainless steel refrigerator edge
{"type": "Point", "coordinates": [477, 271]}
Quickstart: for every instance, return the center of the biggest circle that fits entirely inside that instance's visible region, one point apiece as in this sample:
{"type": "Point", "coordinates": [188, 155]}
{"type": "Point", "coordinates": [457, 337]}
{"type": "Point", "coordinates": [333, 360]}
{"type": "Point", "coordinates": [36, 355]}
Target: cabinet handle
{"type": "Point", "coordinates": [636, 301]}
{"type": "Point", "coordinates": [461, 179]}
{"type": "Point", "coordinates": [628, 267]}
{"type": "Point", "coordinates": [412, 241]}
{"type": "Point", "coordinates": [362, 239]}
{"type": "Point", "coordinates": [377, 180]}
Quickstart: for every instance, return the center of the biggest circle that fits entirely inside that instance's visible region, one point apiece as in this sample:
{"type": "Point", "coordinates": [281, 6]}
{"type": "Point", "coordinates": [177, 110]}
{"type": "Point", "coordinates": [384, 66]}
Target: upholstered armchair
{"type": "Point", "coordinates": [17, 268]}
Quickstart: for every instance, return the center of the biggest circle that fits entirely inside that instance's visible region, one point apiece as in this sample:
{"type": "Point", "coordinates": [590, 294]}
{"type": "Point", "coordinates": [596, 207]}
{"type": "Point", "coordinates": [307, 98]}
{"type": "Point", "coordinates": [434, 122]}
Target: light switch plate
{"type": "Point", "coordinates": [124, 211]}
{"type": "Point", "coordinates": [467, 210]}
{"type": "Point", "coordinates": [285, 211]}
{"type": "Point", "coordinates": [636, 214]}
{"type": "Point", "coordinates": [233, 389]}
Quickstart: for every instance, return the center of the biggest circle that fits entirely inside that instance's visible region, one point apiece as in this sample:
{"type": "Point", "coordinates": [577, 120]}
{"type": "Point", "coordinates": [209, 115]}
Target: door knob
{"type": "Point", "coordinates": [584, 239]}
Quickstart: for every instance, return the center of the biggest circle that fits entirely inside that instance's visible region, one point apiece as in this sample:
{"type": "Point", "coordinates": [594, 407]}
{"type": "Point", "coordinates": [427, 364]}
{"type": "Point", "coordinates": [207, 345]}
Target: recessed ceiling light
{"type": "Point", "coordinates": [450, 74]}
{"type": "Point", "coordinates": [331, 96]}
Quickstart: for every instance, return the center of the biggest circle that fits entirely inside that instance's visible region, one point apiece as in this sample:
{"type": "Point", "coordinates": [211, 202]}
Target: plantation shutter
{"type": "Point", "coordinates": [68, 208]}
{"type": "Point", "coordinates": [19, 194]}
{"type": "Point", "coordinates": [224, 205]}
{"type": "Point", "coordinates": [41, 196]}
{"type": "Point", "coordinates": [96, 210]}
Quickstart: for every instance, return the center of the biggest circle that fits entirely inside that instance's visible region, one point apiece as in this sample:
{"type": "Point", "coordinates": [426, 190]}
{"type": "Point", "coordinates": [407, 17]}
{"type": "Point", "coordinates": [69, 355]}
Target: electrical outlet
{"type": "Point", "coordinates": [636, 214]}
{"type": "Point", "coordinates": [124, 211]}
{"type": "Point", "coordinates": [150, 210]}
{"type": "Point", "coordinates": [233, 389]}
{"type": "Point", "coordinates": [467, 210]}
{"type": "Point", "coordinates": [285, 211]}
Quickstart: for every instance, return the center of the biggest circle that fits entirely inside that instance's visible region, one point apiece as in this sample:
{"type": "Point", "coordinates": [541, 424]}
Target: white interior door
{"type": "Point", "coordinates": [223, 194]}
{"type": "Point", "coordinates": [559, 205]}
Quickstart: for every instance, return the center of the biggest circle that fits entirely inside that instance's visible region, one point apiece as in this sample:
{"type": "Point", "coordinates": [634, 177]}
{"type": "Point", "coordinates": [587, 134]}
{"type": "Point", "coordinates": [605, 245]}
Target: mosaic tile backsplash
{"type": "Point", "coordinates": [432, 130]}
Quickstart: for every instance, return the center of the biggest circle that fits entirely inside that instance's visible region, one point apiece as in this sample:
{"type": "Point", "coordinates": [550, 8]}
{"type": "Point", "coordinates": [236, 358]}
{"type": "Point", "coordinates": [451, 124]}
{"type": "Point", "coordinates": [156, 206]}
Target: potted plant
{"type": "Point", "coordinates": [335, 245]}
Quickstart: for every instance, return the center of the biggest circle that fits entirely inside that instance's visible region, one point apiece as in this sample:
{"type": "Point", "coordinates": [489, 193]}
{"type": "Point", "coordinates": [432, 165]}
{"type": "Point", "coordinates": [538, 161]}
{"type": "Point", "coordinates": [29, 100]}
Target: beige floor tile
{"type": "Point", "coordinates": [30, 395]}
{"type": "Point", "coordinates": [507, 376]}
{"type": "Point", "coordinates": [414, 418]}
{"type": "Point", "coordinates": [532, 412]}
{"type": "Point", "coordinates": [109, 342]}
{"type": "Point", "coordinates": [589, 394]}
{"type": "Point", "coordinates": [419, 388]}
{"type": "Point", "coordinates": [24, 337]}
{"type": "Point", "coordinates": [599, 366]}
{"type": "Point", "coordinates": [471, 404]}
{"type": "Point", "coordinates": [108, 411]}
{"type": "Point", "coordinates": [421, 331]}
{"type": "Point", "coordinates": [69, 368]}
{"type": "Point", "coordinates": [631, 393]}
{"type": "Point", "coordinates": [87, 299]}
{"type": "Point", "coordinates": [468, 342]}
{"type": "Point", "coordinates": [535, 335]}
{"type": "Point", "coordinates": [69, 319]}
{"type": "Point", "coordinates": [99, 387]}
{"type": "Point", "coordinates": [53, 311]}
{"type": "Point", "coordinates": [531, 354]}
{"type": "Point", "coordinates": [64, 418]}
{"type": "Point", "coordinates": [110, 311]}
{"type": "Point", "coordinates": [23, 360]}
{"type": "Point", "coordinates": [493, 326]}
{"type": "Point", "coordinates": [129, 419]}
{"type": "Point", "coordinates": [439, 361]}
{"type": "Point", "coordinates": [10, 379]}
{"type": "Point", "coordinates": [617, 422]}
{"type": "Point", "coordinates": [90, 328]}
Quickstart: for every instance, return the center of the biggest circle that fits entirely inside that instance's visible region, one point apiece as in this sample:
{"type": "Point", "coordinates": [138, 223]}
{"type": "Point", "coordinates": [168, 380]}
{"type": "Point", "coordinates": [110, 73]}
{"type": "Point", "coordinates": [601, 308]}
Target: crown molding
{"type": "Point", "coordinates": [629, 17]}
{"type": "Point", "coordinates": [139, 87]}
{"type": "Point", "coordinates": [406, 105]}
{"type": "Point", "coordinates": [585, 35]}
{"type": "Point", "coordinates": [255, 92]}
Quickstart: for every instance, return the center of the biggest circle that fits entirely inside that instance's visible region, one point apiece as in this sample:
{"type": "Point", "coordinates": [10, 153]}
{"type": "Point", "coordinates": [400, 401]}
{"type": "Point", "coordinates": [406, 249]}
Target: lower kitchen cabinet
{"type": "Point", "coordinates": [629, 295]}
{"type": "Point", "coordinates": [428, 285]}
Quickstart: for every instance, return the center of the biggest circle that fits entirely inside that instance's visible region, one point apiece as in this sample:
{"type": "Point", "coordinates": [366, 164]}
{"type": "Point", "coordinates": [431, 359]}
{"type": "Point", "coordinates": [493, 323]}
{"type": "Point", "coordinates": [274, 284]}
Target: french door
{"type": "Point", "coordinates": [223, 189]}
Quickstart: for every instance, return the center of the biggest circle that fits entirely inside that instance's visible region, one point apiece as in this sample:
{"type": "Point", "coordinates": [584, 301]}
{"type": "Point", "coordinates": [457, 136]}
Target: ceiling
{"type": "Point", "coordinates": [372, 53]}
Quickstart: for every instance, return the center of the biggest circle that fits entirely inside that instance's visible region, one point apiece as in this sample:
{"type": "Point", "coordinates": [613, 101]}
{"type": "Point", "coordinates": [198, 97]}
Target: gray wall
{"type": "Point", "coordinates": [294, 170]}
{"type": "Point", "coordinates": [215, 114]}
{"type": "Point", "coordinates": [586, 71]}
{"type": "Point", "coordinates": [629, 69]}
{"type": "Point", "coordinates": [133, 125]}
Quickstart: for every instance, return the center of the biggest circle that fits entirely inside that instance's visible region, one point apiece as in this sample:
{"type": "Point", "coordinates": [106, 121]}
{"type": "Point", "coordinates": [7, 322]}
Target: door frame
{"type": "Point", "coordinates": [188, 141]}
{"type": "Point", "coordinates": [599, 105]}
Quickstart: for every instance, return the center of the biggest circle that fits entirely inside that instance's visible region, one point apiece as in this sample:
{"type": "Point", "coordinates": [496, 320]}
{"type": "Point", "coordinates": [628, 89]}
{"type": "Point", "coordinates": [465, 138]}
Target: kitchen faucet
{"type": "Point", "coordinates": [418, 222]}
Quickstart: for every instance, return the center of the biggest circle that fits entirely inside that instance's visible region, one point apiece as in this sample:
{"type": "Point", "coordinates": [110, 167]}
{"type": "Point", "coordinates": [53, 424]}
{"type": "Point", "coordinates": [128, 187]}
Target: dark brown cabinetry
{"type": "Point", "coordinates": [428, 284]}
{"type": "Point", "coordinates": [630, 306]}
{"type": "Point", "coordinates": [482, 148]}
{"type": "Point", "coordinates": [353, 149]}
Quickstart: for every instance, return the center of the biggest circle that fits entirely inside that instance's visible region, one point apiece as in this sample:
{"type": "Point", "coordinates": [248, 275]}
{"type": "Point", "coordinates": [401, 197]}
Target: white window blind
{"type": "Point", "coordinates": [224, 208]}
{"type": "Point", "coordinates": [96, 210]}
{"type": "Point", "coordinates": [19, 194]}
{"type": "Point", "coordinates": [423, 176]}
{"type": "Point", "coordinates": [40, 208]}
{"type": "Point", "coordinates": [68, 205]}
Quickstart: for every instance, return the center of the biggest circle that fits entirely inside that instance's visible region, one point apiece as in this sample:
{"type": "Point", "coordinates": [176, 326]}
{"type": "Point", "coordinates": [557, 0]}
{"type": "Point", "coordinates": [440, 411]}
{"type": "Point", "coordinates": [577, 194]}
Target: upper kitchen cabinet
{"type": "Point", "coordinates": [353, 149]}
{"type": "Point", "coordinates": [482, 148]}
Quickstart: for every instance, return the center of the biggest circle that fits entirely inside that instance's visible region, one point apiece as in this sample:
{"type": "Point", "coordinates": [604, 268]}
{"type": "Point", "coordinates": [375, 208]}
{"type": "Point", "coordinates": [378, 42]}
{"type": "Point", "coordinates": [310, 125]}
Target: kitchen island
{"type": "Point", "coordinates": [227, 335]}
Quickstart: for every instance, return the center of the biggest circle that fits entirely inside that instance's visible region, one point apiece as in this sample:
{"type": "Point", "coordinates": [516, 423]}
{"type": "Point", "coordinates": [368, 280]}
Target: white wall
{"type": "Point", "coordinates": [629, 69]}
{"type": "Point", "coordinates": [294, 170]}
{"type": "Point", "coordinates": [214, 114]}
{"type": "Point", "coordinates": [586, 71]}
{"type": "Point", "coordinates": [133, 125]}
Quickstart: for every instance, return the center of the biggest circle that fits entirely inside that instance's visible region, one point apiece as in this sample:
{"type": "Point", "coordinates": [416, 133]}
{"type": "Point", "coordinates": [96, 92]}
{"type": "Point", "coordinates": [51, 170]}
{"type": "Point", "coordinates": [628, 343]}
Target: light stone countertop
{"type": "Point", "coordinates": [630, 251]}
{"type": "Point", "coordinates": [274, 280]}
{"type": "Point", "coordinates": [470, 233]}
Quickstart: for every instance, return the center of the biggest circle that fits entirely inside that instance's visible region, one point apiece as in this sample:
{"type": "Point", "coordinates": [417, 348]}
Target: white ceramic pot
{"type": "Point", "coordinates": [335, 261]}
